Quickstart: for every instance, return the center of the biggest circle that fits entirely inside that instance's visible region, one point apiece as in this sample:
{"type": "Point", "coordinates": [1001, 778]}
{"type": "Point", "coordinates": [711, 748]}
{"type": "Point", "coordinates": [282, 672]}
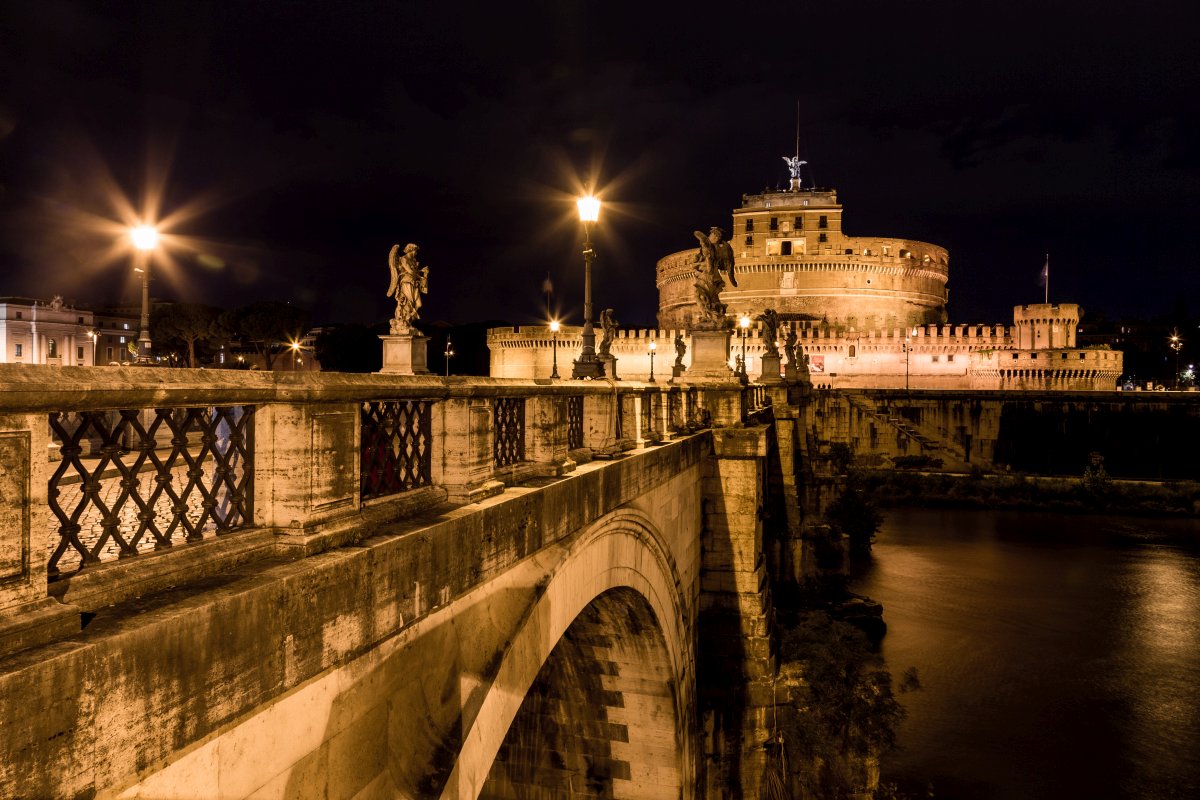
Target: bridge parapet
{"type": "Point", "coordinates": [122, 481]}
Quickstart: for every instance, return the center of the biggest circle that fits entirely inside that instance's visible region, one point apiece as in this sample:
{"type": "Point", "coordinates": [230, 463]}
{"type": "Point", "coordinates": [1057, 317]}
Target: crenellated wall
{"type": "Point", "coordinates": [978, 357]}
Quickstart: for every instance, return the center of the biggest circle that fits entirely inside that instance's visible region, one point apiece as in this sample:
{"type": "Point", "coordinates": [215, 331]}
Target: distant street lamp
{"type": "Point", "coordinates": [587, 366]}
{"type": "Point", "coordinates": [653, 347]}
{"type": "Point", "coordinates": [907, 349]}
{"type": "Point", "coordinates": [554, 326]}
{"type": "Point", "coordinates": [93, 336]}
{"type": "Point", "coordinates": [449, 354]}
{"type": "Point", "coordinates": [1176, 344]}
{"type": "Point", "coordinates": [744, 326]}
{"type": "Point", "coordinates": [145, 239]}
{"type": "Point", "coordinates": [297, 356]}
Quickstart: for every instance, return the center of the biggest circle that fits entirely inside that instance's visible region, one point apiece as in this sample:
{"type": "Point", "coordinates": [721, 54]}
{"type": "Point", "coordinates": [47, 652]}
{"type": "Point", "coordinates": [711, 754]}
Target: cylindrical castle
{"type": "Point", "coordinates": [790, 255]}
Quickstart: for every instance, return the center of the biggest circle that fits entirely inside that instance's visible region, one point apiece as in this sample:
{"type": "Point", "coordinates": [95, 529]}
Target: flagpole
{"type": "Point", "coordinates": [1047, 279]}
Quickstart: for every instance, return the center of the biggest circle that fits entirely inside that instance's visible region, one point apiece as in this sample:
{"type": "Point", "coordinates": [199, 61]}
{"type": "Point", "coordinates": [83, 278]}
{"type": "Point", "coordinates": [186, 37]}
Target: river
{"type": "Point", "coordinates": [1059, 655]}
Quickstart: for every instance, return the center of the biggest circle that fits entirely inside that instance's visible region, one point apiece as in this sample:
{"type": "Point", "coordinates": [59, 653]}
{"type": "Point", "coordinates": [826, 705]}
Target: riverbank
{"type": "Point", "coordinates": [896, 489]}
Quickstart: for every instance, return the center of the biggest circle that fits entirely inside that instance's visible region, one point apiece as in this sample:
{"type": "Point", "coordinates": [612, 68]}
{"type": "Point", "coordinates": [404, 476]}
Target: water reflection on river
{"type": "Point", "coordinates": [1060, 655]}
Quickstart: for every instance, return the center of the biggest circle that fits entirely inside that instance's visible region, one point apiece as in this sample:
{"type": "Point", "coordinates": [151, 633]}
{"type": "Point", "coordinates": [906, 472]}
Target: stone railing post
{"type": "Point", "coordinates": [463, 438]}
{"type": "Point", "coordinates": [630, 408]}
{"type": "Point", "coordinates": [600, 421]}
{"type": "Point", "coordinates": [28, 616]}
{"type": "Point", "coordinates": [306, 465]}
{"type": "Point", "coordinates": [546, 432]}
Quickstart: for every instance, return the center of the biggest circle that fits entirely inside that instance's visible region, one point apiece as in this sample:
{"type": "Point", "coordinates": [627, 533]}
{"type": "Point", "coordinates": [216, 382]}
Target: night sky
{"type": "Point", "coordinates": [292, 143]}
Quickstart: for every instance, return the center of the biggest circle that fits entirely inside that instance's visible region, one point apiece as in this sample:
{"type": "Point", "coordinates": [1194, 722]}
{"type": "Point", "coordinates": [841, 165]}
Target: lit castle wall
{"type": "Point", "coordinates": [868, 313]}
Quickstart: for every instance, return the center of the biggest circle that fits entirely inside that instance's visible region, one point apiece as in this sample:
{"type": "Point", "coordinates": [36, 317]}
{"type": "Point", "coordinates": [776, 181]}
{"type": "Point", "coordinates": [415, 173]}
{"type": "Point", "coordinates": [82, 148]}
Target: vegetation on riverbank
{"type": "Point", "coordinates": [842, 711]}
{"type": "Point", "coordinates": [1092, 493]}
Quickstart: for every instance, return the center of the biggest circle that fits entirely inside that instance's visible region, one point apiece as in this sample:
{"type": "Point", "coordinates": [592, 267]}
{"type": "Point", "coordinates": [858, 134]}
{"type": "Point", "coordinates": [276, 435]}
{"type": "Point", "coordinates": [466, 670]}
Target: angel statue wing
{"type": "Point", "coordinates": [394, 265]}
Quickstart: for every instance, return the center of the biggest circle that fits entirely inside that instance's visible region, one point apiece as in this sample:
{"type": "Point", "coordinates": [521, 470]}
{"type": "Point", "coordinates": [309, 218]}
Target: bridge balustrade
{"type": "Point", "coordinates": [116, 480]}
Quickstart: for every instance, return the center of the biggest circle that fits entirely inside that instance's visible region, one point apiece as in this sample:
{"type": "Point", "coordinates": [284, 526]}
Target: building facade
{"type": "Point", "coordinates": [36, 332]}
{"type": "Point", "coordinates": [791, 255]}
{"type": "Point", "coordinates": [867, 312]}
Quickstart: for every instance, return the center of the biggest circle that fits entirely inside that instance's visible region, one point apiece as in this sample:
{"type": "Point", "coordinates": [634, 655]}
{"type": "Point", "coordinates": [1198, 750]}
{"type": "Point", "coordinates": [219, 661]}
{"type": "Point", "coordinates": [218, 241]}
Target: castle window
{"type": "Point", "coordinates": [804, 202]}
{"type": "Point", "coordinates": [20, 315]}
{"type": "Point", "coordinates": [850, 251]}
{"type": "Point", "coordinates": [79, 353]}
{"type": "Point", "coordinates": [51, 348]}
{"type": "Point", "coordinates": [79, 320]}
{"type": "Point", "coordinates": [1064, 356]}
{"type": "Point", "coordinates": [823, 222]}
{"type": "Point", "coordinates": [749, 224]}
{"type": "Point", "coordinates": [785, 248]}
{"type": "Point", "coordinates": [774, 224]}
{"type": "Point", "coordinates": [1014, 356]}
{"type": "Point", "coordinates": [18, 350]}
{"type": "Point", "coordinates": [798, 223]}
{"type": "Point", "coordinates": [750, 240]}
{"type": "Point", "coordinates": [1033, 356]}
{"type": "Point", "coordinates": [822, 238]}
{"type": "Point", "coordinates": [934, 359]}
{"type": "Point", "coordinates": [950, 357]}
{"type": "Point", "coordinates": [1082, 356]}
{"type": "Point", "coordinates": [852, 352]}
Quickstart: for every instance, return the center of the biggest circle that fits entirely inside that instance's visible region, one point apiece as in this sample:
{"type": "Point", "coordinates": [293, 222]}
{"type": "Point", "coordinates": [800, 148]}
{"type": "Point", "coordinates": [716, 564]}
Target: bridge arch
{"type": "Point", "coordinates": [615, 602]}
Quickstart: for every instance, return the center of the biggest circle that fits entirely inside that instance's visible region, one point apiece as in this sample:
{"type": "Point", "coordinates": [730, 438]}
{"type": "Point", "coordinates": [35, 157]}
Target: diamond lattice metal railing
{"type": "Point", "coordinates": [396, 446]}
{"type": "Point", "coordinates": [575, 422]}
{"type": "Point", "coordinates": [123, 487]}
{"type": "Point", "coordinates": [509, 444]}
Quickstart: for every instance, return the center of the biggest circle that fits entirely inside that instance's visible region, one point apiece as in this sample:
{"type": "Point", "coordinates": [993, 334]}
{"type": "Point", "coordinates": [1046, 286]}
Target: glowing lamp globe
{"type": "Point", "coordinates": [145, 237]}
{"type": "Point", "coordinates": [589, 208]}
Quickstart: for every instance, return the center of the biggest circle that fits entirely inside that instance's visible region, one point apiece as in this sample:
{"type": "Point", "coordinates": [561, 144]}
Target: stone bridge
{"type": "Point", "coordinates": [233, 584]}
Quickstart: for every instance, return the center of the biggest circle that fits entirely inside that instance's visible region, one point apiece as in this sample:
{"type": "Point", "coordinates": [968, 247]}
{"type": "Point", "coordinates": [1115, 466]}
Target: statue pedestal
{"type": "Point", "coordinates": [405, 354]}
{"type": "Point", "coordinates": [610, 364]}
{"type": "Point", "coordinates": [789, 373]}
{"type": "Point", "coordinates": [770, 369]}
{"type": "Point", "coordinates": [710, 357]}
{"type": "Point", "coordinates": [677, 371]}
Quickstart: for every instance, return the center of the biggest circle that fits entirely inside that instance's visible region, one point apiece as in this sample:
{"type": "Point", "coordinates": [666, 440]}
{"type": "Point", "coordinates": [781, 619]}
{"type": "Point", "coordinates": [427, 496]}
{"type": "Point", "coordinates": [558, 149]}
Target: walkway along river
{"type": "Point", "coordinates": [1059, 655]}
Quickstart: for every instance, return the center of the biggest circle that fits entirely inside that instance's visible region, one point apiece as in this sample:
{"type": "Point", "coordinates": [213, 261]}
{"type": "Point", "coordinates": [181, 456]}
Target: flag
{"type": "Point", "coordinates": [1044, 278]}
{"type": "Point", "coordinates": [547, 286]}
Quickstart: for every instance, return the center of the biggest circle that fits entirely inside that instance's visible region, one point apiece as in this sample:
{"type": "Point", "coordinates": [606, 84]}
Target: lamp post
{"type": "Point", "coordinates": [653, 347]}
{"type": "Point", "coordinates": [554, 326]}
{"type": "Point", "coordinates": [297, 358]}
{"type": "Point", "coordinates": [1176, 344]}
{"type": "Point", "coordinates": [93, 336]}
{"type": "Point", "coordinates": [907, 350]}
{"type": "Point", "coordinates": [449, 354]}
{"type": "Point", "coordinates": [744, 326]}
{"type": "Point", "coordinates": [145, 239]}
{"type": "Point", "coordinates": [588, 366]}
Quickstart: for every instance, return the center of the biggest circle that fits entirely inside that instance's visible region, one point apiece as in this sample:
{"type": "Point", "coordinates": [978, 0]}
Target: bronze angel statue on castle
{"type": "Point", "coordinates": [409, 281]}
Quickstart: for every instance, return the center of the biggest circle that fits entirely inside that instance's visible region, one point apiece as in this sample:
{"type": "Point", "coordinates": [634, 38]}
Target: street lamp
{"type": "Point", "coordinates": [93, 336]}
{"type": "Point", "coordinates": [653, 347]}
{"type": "Point", "coordinates": [145, 239]}
{"type": "Point", "coordinates": [1176, 344]}
{"type": "Point", "coordinates": [907, 350]}
{"type": "Point", "coordinates": [297, 358]}
{"type": "Point", "coordinates": [744, 326]}
{"type": "Point", "coordinates": [554, 326]}
{"type": "Point", "coordinates": [449, 354]}
{"type": "Point", "coordinates": [587, 366]}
